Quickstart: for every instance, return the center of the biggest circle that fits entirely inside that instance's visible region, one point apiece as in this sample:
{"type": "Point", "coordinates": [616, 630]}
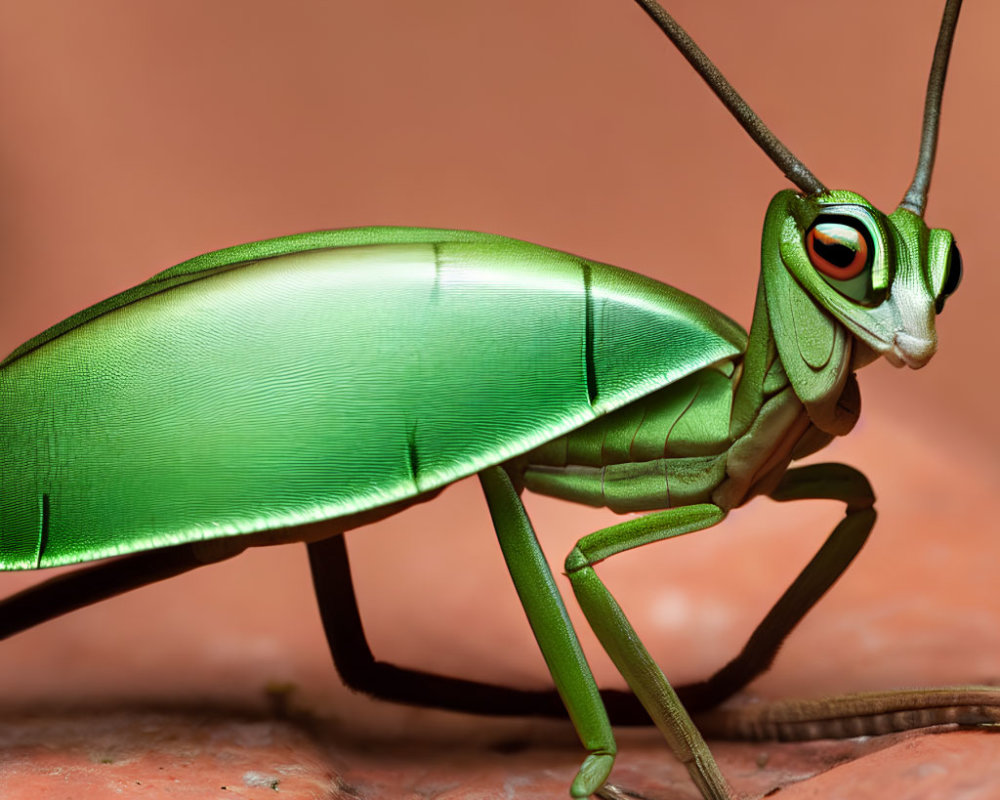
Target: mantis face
{"type": "Point", "coordinates": [883, 277]}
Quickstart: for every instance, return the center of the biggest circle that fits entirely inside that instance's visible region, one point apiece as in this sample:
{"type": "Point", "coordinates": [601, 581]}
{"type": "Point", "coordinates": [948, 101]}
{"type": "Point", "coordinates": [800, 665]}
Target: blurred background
{"type": "Point", "coordinates": [136, 136]}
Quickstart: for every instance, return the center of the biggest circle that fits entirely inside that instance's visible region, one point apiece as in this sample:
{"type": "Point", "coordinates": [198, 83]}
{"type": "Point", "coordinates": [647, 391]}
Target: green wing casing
{"type": "Point", "coordinates": [316, 376]}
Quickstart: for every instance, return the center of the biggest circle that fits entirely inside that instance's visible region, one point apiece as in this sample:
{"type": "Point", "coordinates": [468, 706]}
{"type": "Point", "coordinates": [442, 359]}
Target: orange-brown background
{"type": "Point", "coordinates": [138, 135]}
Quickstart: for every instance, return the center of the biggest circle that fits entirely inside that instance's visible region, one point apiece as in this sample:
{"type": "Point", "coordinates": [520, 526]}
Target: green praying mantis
{"type": "Point", "coordinates": [40, 512]}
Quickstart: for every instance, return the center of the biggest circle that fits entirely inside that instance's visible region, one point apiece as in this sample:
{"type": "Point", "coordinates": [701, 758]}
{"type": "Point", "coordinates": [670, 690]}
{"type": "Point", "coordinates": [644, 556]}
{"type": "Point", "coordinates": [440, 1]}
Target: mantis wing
{"type": "Point", "coordinates": [318, 376]}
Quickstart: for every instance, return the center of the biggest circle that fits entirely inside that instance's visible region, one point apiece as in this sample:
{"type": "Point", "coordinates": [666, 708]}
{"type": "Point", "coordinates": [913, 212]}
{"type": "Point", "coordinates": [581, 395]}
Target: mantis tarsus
{"type": "Point", "coordinates": [671, 278]}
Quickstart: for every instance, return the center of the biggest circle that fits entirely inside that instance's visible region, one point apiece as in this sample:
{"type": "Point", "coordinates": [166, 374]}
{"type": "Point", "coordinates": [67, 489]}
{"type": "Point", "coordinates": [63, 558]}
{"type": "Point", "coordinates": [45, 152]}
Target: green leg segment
{"type": "Point", "coordinates": [552, 628]}
{"type": "Point", "coordinates": [814, 482]}
{"type": "Point", "coordinates": [363, 672]}
{"type": "Point", "coordinates": [622, 643]}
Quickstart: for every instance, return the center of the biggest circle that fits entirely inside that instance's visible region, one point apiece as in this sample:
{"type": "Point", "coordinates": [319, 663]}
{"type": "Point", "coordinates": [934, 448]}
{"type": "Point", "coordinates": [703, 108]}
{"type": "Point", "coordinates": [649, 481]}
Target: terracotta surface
{"type": "Point", "coordinates": [138, 135]}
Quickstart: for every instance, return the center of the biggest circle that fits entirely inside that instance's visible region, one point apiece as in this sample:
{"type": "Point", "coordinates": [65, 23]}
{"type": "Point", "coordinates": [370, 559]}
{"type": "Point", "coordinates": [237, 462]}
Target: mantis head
{"type": "Point", "coordinates": [845, 283]}
{"type": "Point", "coordinates": [884, 277]}
{"type": "Point", "coordinates": [830, 255]}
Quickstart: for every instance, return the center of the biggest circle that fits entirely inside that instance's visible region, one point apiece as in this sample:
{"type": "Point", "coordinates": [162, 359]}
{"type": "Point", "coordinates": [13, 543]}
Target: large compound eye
{"type": "Point", "coordinates": [952, 277]}
{"type": "Point", "coordinates": [838, 247]}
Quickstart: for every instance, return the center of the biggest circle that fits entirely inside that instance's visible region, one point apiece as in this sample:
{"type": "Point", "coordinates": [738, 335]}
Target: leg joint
{"type": "Point", "coordinates": [827, 482]}
{"type": "Point", "coordinates": [576, 561]}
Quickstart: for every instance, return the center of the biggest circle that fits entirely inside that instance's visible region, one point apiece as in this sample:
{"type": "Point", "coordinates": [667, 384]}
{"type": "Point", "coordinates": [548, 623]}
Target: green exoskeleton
{"type": "Point", "coordinates": [216, 406]}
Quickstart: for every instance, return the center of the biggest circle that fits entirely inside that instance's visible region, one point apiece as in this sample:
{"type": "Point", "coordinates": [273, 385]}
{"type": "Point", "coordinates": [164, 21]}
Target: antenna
{"type": "Point", "coordinates": [915, 199]}
{"type": "Point", "coordinates": [797, 172]}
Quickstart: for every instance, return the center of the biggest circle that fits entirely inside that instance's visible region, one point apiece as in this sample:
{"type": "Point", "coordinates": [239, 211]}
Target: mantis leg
{"type": "Point", "coordinates": [82, 587]}
{"type": "Point", "coordinates": [866, 714]}
{"type": "Point", "coordinates": [814, 482]}
{"type": "Point", "coordinates": [362, 672]}
{"type": "Point", "coordinates": [622, 644]}
{"type": "Point", "coordinates": [552, 628]}
{"type": "Point", "coordinates": [576, 691]}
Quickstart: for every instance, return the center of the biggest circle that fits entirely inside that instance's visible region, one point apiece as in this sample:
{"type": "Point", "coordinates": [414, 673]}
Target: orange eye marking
{"type": "Point", "coordinates": [837, 250]}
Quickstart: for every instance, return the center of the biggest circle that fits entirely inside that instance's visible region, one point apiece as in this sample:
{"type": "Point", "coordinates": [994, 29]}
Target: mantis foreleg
{"type": "Point", "coordinates": [865, 714]}
{"type": "Point", "coordinates": [821, 482]}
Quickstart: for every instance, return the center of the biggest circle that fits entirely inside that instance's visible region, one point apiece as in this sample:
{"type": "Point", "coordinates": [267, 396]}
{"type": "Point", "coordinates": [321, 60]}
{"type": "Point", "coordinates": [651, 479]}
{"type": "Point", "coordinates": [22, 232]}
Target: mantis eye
{"type": "Point", "coordinates": [842, 250]}
{"type": "Point", "coordinates": [953, 277]}
{"type": "Point", "coordinates": [838, 248]}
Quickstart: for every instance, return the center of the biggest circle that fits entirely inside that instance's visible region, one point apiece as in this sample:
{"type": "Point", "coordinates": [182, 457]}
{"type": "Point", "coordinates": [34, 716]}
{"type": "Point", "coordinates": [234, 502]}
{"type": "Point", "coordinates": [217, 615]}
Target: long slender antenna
{"type": "Point", "coordinates": [794, 170]}
{"type": "Point", "coordinates": [916, 196]}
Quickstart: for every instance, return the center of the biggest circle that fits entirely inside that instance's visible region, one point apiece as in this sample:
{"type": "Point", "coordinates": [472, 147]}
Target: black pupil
{"type": "Point", "coordinates": [835, 253]}
{"type": "Point", "coordinates": [954, 276]}
{"type": "Point", "coordinates": [952, 279]}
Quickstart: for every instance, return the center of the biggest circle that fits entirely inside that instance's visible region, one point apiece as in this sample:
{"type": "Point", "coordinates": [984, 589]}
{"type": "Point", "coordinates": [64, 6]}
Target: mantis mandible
{"type": "Point", "coordinates": [43, 509]}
